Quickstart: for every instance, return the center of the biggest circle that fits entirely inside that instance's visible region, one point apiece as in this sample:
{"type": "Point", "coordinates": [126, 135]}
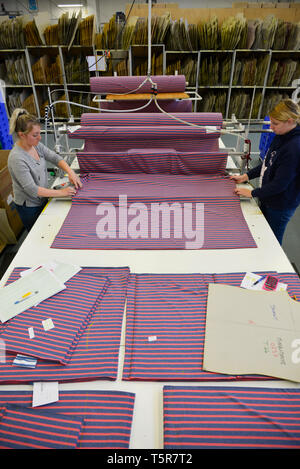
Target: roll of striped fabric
{"type": "Point", "coordinates": [183, 105]}
{"type": "Point", "coordinates": [121, 138]}
{"type": "Point", "coordinates": [138, 84]}
{"type": "Point", "coordinates": [213, 119]}
{"type": "Point", "coordinates": [231, 417]}
{"type": "Point", "coordinates": [107, 418]}
{"type": "Point", "coordinates": [166, 318]}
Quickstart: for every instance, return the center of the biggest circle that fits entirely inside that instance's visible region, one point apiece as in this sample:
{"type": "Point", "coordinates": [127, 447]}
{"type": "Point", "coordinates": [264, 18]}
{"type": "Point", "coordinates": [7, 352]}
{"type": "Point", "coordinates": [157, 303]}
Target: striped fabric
{"type": "Point", "coordinates": [107, 415]}
{"type": "Point", "coordinates": [71, 312]}
{"type": "Point", "coordinates": [80, 229]}
{"type": "Point", "coordinates": [25, 428]}
{"type": "Point", "coordinates": [182, 105]}
{"type": "Point", "coordinates": [128, 84]}
{"type": "Point", "coordinates": [121, 138]}
{"type": "Point", "coordinates": [165, 327]}
{"type": "Point", "coordinates": [231, 418]}
{"type": "Point", "coordinates": [214, 119]}
{"type": "Point", "coordinates": [151, 161]}
{"type": "Point", "coordinates": [97, 352]}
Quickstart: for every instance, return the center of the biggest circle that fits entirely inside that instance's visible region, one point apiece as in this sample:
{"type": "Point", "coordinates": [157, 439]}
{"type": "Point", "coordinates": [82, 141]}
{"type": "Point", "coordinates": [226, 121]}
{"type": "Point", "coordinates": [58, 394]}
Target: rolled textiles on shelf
{"type": "Point", "coordinates": [129, 84]}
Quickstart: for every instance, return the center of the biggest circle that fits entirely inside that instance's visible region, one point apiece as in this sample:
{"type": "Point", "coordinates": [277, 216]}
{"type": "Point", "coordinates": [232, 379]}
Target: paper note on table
{"type": "Point", "coordinates": [252, 332]}
{"type": "Point", "coordinates": [28, 291]}
{"type": "Point", "coordinates": [250, 279]}
{"type": "Point", "coordinates": [44, 393]}
{"type": "Point", "coordinates": [61, 270]}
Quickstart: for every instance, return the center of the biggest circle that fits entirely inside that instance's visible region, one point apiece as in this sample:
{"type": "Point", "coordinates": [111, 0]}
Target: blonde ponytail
{"type": "Point", "coordinates": [22, 121]}
{"type": "Point", "coordinates": [286, 109]}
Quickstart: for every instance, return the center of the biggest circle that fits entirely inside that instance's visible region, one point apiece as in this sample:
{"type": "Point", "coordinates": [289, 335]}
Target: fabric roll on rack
{"type": "Point", "coordinates": [173, 106]}
{"type": "Point", "coordinates": [140, 84]}
{"type": "Point", "coordinates": [118, 138]}
{"type": "Point", "coordinates": [213, 119]}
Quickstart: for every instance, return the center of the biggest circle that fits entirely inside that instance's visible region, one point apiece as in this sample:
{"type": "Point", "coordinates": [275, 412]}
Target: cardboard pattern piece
{"type": "Point", "coordinates": [252, 332]}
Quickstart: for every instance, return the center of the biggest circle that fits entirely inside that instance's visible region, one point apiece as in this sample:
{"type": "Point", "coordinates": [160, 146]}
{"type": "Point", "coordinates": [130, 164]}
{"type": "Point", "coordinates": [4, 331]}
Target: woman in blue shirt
{"type": "Point", "coordinates": [279, 174]}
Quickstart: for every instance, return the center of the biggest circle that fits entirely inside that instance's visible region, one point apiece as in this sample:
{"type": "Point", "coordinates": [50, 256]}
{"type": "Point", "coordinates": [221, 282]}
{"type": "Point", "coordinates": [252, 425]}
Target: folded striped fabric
{"type": "Point", "coordinates": [231, 418]}
{"type": "Point", "coordinates": [200, 212]}
{"type": "Point", "coordinates": [70, 312]}
{"type": "Point", "coordinates": [128, 84]}
{"type": "Point", "coordinates": [28, 428]}
{"type": "Point", "coordinates": [96, 355]}
{"type": "Point", "coordinates": [107, 415]}
{"type": "Point", "coordinates": [165, 325]}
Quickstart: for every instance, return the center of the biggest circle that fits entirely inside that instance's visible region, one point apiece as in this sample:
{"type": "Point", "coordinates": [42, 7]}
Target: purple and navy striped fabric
{"type": "Point", "coordinates": [28, 428]}
{"type": "Point", "coordinates": [128, 84]}
{"type": "Point", "coordinates": [71, 311]}
{"type": "Point", "coordinates": [96, 355]}
{"type": "Point", "coordinates": [165, 329]}
{"type": "Point", "coordinates": [231, 418]}
{"type": "Point", "coordinates": [122, 138]}
{"type": "Point", "coordinates": [213, 119]}
{"type": "Point", "coordinates": [184, 196]}
{"type": "Point", "coordinates": [173, 106]}
{"type": "Point", "coordinates": [153, 162]}
{"type": "Point", "coordinates": [107, 415]}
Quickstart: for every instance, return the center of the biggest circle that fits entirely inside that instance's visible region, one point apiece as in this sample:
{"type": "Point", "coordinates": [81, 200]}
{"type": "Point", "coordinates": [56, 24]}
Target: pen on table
{"type": "Point", "coordinates": [259, 280]}
{"type": "Point", "coordinates": [24, 297]}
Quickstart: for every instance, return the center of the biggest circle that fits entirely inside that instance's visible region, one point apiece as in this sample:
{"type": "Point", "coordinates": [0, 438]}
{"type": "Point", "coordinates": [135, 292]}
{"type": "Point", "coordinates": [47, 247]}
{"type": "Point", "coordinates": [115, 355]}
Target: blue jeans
{"type": "Point", "coordinates": [29, 215]}
{"type": "Point", "coordinates": [277, 219]}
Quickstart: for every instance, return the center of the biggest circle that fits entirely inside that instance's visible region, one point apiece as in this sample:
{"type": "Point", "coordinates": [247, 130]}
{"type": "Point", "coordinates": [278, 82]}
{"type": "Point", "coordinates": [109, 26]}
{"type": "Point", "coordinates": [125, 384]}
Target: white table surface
{"type": "Point", "coordinates": [147, 428]}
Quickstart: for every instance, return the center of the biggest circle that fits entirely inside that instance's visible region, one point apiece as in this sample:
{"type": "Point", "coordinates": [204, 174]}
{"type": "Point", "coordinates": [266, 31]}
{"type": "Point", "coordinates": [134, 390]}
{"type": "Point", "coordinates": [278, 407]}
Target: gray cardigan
{"type": "Point", "coordinates": [28, 174]}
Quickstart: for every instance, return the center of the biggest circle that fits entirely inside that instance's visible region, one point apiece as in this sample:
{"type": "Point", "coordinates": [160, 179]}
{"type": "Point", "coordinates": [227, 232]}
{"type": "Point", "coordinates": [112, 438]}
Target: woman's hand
{"type": "Point", "coordinates": [239, 178]}
{"type": "Point", "coordinates": [66, 191]}
{"type": "Point", "coordinates": [242, 191]}
{"type": "Point", "coordinates": [74, 179]}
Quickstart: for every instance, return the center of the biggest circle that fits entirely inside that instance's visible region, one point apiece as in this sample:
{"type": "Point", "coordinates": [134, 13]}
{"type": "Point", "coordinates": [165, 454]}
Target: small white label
{"type": "Point", "coordinates": [31, 332]}
{"type": "Point", "coordinates": [48, 324]}
{"type": "Point", "coordinates": [9, 199]}
{"type": "Point", "coordinates": [152, 338]}
{"type": "Point", "coordinates": [44, 393]}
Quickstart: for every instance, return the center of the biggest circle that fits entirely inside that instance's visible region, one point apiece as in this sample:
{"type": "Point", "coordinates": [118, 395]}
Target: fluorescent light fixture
{"type": "Point", "coordinates": [70, 6]}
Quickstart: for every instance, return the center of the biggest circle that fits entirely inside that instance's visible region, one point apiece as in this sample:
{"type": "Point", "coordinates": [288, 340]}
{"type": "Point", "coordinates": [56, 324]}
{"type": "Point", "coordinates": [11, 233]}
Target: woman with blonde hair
{"type": "Point", "coordinates": [279, 174]}
{"type": "Point", "coordinates": [28, 168]}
